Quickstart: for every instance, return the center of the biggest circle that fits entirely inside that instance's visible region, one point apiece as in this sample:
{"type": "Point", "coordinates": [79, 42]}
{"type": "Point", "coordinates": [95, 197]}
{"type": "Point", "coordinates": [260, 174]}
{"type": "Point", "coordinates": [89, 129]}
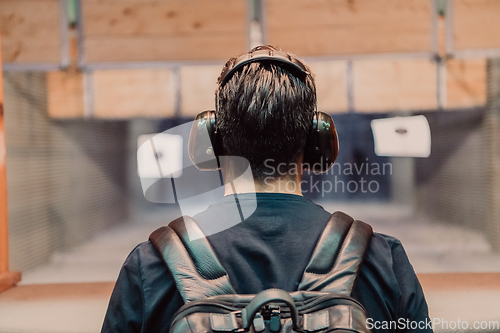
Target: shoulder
{"type": "Point", "coordinates": [143, 251]}
{"type": "Point", "coordinates": [389, 248]}
{"type": "Point", "coordinates": [151, 274]}
{"type": "Point", "coordinates": [385, 243]}
{"type": "Point", "coordinates": [386, 253]}
{"type": "Point", "coordinates": [144, 297]}
{"type": "Point", "coordinates": [143, 259]}
{"type": "Point", "coordinates": [387, 282]}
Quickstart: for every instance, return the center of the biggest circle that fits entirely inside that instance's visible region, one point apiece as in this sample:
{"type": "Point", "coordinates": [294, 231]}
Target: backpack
{"type": "Point", "coordinates": [322, 302]}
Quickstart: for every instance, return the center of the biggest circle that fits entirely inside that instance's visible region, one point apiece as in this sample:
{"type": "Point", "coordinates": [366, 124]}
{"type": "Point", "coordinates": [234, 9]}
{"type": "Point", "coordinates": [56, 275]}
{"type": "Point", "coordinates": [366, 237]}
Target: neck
{"type": "Point", "coordinates": [287, 185]}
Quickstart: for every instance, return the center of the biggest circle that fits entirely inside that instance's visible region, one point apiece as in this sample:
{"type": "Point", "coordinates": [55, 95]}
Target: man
{"type": "Point", "coordinates": [264, 112]}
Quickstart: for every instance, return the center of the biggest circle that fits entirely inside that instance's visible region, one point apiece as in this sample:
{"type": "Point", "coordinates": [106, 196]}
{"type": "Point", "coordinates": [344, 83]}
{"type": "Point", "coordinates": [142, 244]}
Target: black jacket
{"type": "Point", "coordinates": [270, 249]}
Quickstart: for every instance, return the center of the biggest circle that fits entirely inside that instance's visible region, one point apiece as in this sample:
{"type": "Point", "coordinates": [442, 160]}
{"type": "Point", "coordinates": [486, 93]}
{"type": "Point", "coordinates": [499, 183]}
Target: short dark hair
{"type": "Point", "coordinates": [264, 113]}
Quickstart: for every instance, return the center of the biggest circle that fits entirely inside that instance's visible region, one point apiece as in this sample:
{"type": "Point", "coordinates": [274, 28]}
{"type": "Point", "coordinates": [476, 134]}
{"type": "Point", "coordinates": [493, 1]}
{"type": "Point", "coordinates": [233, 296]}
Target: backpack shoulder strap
{"type": "Point", "coordinates": [337, 256]}
{"type": "Point", "coordinates": [194, 266]}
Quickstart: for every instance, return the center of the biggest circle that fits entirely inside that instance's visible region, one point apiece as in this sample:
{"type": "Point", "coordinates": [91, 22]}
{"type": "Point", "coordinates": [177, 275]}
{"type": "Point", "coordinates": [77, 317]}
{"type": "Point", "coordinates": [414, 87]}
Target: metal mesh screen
{"type": "Point", "coordinates": [492, 153]}
{"type": "Point", "coordinates": [65, 179]}
{"type": "Point", "coordinates": [460, 182]}
{"type": "Point", "coordinates": [450, 183]}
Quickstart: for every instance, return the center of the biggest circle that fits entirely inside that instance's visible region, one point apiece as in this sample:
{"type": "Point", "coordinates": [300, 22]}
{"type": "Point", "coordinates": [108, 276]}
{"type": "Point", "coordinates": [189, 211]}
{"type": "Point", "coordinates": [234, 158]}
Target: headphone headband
{"type": "Point", "coordinates": [263, 55]}
{"type": "Point", "coordinates": [321, 146]}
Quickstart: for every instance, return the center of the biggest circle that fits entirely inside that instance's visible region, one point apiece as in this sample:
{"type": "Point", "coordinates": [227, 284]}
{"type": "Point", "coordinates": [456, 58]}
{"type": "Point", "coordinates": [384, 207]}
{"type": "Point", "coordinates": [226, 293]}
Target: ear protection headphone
{"type": "Point", "coordinates": [321, 148]}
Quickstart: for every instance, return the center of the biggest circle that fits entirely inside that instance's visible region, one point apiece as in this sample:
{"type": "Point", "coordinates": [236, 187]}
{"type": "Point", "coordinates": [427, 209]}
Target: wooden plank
{"type": "Point", "coordinates": [133, 93]}
{"type": "Point", "coordinates": [379, 86]}
{"type": "Point", "coordinates": [59, 292]}
{"type": "Point", "coordinates": [7, 278]}
{"type": "Point", "coordinates": [459, 281]}
{"type": "Point", "coordinates": [338, 27]}
{"type": "Point", "coordinates": [465, 83]}
{"type": "Point", "coordinates": [65, 94]}
{"type": "Point", "coordinates": [383, 85]}
{"type": "Point", "coordinates": [157, 48]}
{"type": "Point", "coordinates": [475, 24]}
{"type": "Point", "coordinates": [198, 85]}
{"type": "Point", "coordinates": [4, 216]}
{"type": "Point", "coordinates": [331, 85]}
{"type": "Point", "coordinates": [150, 30]}
{"type": "Point", "coordinates": [445, 294]}
{"type": "Point", "coordinates": [441, 36]}
{"type": "Point", "coordinates": [30, 31]}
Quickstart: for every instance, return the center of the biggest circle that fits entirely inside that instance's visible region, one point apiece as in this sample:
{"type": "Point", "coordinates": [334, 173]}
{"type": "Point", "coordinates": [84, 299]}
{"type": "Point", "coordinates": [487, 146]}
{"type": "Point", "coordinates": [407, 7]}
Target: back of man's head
{"type": "Point", "coordinates": [264, 114]}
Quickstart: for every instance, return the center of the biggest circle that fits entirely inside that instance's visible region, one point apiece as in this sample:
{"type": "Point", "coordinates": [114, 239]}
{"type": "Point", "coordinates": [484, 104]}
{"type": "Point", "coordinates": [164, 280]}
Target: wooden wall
{"type": "Point", "coordinates": [362, 62]}
{"type": "Point", "coordinates": [331, 85]}
{"type": "Point", "coordinates": [377, 86]}
{"type": "Point", "coordinates": [476, 24]}
{"type": "Point", "coordinates": [394, 85]}
{"type": "Point", "coordinates": [65, 94]}
{"type": "Point", "coordinates": [133, 30]}
{"type": "Point", "coordinates": [30, 31]}
{"type": "Point", "coordinates": [128, 93]}
{"type": "Point", "coordinates": [180, 30]}
{"type": "Point", "coordinates": [339, 27]}
{"type": "Point", "coordinates": [466, 82]}
{"type": "Point", "coordinates": [197, 86]}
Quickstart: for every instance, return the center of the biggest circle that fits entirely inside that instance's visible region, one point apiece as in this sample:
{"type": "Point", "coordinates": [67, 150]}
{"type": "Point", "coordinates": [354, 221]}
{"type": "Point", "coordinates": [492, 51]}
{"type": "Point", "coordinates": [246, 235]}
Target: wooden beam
{"type": "Point", "coordinates": [331, 85]}
{"type": "Point", "coordinates": [134, 30]}
{"type": "Point", "coordinates": [445, 294]}
{"type": "Point", "coordinates": [459, 281]}
{"type": "Point", "coordinates": [403, 85]}
{"type": "Point", "coordinates": [111, 94]}
{"type": "Point", "coordinates": [65, 94]}
{"type": "Point", "coordinates": [339, 27]}
{"type": "Point", "coordinates": [4, 217]}
{"type": "Point", "coordinates": [59, 292]}
{"type": "Point", "coordinates": [30, 31]}
{"type": "Point", "coordinates": [465, 83]}
{"type": "Point", "coordinates": [475, 24]}
{"type": "Point", "coordinates": [198, 85]}
{"type": "Point", "coordinates": [79, 291]}
{"type": "Point", "coordinates": [7, 278]}
{"type": "Point", "coordinates": [378, 86]}
{"type": "Point", "coordinates": [133, 93]}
